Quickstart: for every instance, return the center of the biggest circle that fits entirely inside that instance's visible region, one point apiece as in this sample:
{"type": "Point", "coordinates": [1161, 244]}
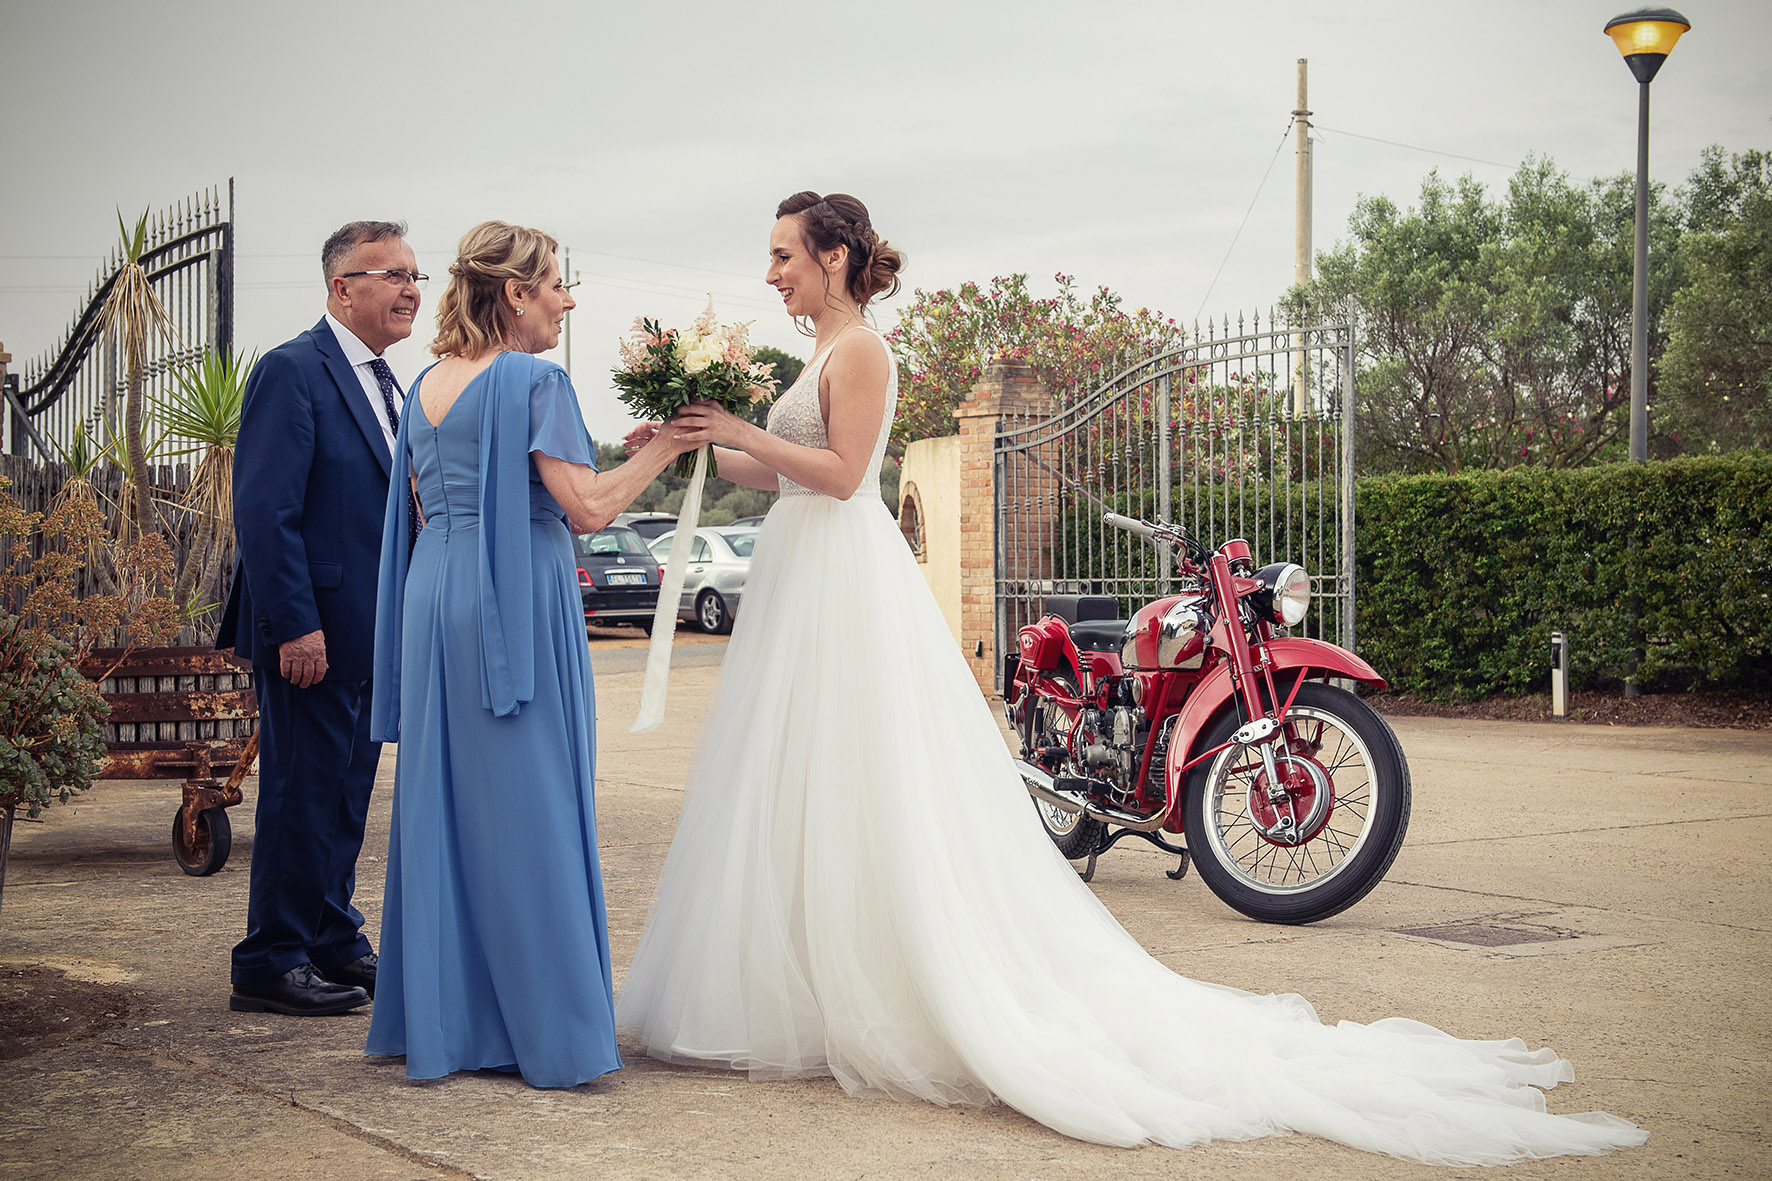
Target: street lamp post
{"type": "Point", "coordinates": [1645, 38]}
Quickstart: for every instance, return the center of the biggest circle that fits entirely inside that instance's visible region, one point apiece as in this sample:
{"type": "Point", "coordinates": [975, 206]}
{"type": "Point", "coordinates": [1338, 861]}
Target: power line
{"type": "Point", "coordinates": [1415, 148]}
{"type": "Point", "coordinates": [312, 256]}
{"type": "Point", "coordinates": [1284, 135]}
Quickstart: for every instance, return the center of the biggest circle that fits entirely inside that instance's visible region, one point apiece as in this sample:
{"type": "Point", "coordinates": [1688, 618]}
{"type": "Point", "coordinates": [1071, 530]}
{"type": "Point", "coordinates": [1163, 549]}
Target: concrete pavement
{"type": "Point", "coordinates": [1600, 890]}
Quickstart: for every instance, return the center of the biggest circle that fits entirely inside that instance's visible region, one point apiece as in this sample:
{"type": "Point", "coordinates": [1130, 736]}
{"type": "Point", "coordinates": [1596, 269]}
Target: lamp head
{"type": "Point", "coordinates": [1645, 38]}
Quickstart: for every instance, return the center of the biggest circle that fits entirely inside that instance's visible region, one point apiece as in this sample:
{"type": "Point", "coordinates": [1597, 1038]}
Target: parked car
{"type": "Point", "coordinates": [747, 522]}
{"type": "Point", "coordinates": [647, 525]}
{"type": "Point", "coordinates": [618, 578]}
{"type": "Point", "coordinates": [714, 584]}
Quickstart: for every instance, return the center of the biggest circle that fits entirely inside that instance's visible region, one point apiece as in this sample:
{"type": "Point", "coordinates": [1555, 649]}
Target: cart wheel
{"type": "Point", "coordinates": [209, 852]}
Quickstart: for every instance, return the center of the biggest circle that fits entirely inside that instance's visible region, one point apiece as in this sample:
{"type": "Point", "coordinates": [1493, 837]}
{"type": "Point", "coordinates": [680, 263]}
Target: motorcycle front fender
{"type": "Point", "coordinates": [1213, 695]}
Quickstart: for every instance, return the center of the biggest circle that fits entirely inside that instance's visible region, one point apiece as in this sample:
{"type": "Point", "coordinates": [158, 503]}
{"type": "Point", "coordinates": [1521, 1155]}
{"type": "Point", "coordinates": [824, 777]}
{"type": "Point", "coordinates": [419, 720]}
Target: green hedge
{"type": "Point", "coordinates": [1461, 579]}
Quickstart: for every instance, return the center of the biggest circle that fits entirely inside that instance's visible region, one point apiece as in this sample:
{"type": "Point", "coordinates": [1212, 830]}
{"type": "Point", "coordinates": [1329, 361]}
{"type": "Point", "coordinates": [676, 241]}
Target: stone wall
{"type": "Point", "coordinates": [929, 515]}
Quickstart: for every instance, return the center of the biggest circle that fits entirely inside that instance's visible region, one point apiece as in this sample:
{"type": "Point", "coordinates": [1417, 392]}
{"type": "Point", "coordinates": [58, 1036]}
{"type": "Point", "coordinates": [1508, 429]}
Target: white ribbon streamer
{"type": "Point", "coordinates": [664, 618]}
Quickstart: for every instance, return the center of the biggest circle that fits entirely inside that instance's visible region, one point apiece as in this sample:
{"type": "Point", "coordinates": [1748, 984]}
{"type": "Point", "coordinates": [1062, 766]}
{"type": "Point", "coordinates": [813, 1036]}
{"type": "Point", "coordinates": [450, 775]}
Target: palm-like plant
{"type": "Point", "coordinates": [132, 315]}
{"type": "Point", "coordinates": [82, 456]}
{"type": "Point", "coordinates": [205, 408]}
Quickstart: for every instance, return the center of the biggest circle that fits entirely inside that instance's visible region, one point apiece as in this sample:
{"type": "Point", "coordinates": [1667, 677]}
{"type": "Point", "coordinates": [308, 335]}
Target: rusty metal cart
{"type": "Point", "coordinates": [182, 712]}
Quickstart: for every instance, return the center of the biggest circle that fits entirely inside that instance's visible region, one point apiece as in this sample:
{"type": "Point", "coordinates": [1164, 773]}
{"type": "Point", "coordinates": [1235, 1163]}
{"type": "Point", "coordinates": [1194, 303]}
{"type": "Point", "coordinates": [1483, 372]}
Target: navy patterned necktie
{"type": "Point", "coordinates": [384, 377]}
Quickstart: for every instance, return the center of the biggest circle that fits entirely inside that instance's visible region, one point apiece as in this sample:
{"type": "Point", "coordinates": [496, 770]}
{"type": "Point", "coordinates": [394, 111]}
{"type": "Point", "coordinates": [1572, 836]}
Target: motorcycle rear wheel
{"type": "Point", "coordinates": [1343, 861]}
{"type": "Point", "coordinates": [1076, 835]}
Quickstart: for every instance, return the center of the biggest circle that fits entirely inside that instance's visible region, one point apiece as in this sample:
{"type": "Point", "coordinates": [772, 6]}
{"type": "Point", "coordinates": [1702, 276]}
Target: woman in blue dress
{"type": "Point", "coordinates": [494, 949]}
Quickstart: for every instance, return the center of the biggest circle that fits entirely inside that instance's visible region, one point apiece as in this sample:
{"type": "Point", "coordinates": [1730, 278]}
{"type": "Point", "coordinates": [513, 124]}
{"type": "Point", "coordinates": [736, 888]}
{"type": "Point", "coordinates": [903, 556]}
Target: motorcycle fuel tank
{"type": "Point", "coordinates": [1168, 633]}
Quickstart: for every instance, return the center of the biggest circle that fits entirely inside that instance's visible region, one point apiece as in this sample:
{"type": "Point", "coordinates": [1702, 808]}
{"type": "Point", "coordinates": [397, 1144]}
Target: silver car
{"type": "Point", "coordinates": [717, 568]}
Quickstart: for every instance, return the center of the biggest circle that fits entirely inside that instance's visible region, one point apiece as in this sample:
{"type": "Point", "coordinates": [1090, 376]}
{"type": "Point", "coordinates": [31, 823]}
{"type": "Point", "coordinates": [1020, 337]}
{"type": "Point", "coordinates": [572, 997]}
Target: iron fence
{"type": "Point", "coordinates": [1232, 434]}
{"type": "Point", "coordinates": [80, 383]}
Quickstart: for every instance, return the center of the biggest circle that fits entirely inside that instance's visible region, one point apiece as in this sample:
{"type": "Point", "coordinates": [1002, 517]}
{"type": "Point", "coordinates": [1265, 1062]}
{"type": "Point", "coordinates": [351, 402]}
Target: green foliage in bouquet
{"type": "Point", "coordinates": [665, 369]}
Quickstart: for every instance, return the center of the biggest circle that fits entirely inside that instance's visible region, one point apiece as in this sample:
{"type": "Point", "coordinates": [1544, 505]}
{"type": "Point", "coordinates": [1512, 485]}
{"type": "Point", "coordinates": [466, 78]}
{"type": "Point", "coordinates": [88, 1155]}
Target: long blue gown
{"type": "Point", "coordinates": [494, 948]}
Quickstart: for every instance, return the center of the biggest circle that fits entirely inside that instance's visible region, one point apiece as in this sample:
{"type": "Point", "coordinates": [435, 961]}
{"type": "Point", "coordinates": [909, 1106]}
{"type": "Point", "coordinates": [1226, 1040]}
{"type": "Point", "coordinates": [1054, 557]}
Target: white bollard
{"type": "Point", "coordinates": [1559, 674]}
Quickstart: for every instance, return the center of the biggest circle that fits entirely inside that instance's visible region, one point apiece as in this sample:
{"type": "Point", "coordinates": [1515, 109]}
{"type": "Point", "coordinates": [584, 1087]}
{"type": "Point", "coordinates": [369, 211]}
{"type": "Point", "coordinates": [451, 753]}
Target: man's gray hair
{"type": "Point", "coordinates": [350, 236]}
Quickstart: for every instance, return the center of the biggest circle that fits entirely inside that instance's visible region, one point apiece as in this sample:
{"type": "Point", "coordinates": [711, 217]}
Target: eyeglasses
{"type": "Point", "coordinates": [393, 278]}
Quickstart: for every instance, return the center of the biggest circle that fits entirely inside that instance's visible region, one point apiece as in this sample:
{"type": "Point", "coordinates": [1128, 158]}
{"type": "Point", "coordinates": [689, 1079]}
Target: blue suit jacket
{"type": "Point", "coordinates": [310, 486]}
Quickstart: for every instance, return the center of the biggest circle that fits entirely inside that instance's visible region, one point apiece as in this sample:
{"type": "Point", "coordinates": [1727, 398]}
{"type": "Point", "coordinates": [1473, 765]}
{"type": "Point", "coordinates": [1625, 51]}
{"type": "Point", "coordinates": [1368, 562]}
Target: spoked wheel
{"type": "Point", "coordinates": [1329, 840]}
{"type": "Point", "coordinates": [711, 614]}
{"type": "Point", "coordinates": [208, 851]}
{"type": "Point", "coordinates": [1076, 835]}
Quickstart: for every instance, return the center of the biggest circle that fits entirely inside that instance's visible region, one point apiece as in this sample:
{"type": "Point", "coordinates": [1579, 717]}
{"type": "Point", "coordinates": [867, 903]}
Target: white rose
{"type": "Point", "coordinates": [699, 359]}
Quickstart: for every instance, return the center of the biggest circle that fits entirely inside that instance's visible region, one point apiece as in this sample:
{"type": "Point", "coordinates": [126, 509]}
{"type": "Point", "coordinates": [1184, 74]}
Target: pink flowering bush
{"type": "Point", "coordinates": [946, 339]}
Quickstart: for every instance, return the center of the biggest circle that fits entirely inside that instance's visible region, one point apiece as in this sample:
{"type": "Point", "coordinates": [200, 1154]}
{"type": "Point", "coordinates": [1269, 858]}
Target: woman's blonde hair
{"type": "Point", "coordinates": [472, 316]}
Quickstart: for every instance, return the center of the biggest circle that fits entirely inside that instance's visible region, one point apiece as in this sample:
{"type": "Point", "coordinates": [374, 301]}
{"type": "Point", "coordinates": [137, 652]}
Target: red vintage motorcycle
{"type": "Point", "coordinates": [1198, 717]}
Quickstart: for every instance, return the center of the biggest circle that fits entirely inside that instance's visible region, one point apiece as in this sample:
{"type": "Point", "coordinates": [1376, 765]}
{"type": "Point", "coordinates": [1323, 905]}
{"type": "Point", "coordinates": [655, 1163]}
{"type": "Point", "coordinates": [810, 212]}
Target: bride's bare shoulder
{"type": "Point", "coordinates": [859, 355]}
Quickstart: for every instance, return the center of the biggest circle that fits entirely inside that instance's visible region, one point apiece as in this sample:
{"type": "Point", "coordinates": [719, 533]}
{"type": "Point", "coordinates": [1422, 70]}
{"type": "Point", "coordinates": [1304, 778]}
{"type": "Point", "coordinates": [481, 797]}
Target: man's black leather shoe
{"type": "Point", "coordinates": [359, 972]}
{"type": "Point", "coordinates": [299, 992]}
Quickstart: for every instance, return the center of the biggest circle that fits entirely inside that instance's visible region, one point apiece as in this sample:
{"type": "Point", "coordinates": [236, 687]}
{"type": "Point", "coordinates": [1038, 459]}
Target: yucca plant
{"type": "Point", "coordinates": [205, 408]}
{"type": "Point", "coordinates": [132, 316]}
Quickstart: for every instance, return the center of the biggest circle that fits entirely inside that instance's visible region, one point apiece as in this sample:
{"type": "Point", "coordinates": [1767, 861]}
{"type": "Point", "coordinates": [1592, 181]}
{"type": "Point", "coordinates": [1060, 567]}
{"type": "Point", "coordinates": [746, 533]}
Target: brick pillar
{"type": "Point", "coordinates": [1007, 394]}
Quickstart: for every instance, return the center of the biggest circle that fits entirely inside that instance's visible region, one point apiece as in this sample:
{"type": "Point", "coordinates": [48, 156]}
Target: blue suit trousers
{"type": "Point", "coordinates": [316, 771]}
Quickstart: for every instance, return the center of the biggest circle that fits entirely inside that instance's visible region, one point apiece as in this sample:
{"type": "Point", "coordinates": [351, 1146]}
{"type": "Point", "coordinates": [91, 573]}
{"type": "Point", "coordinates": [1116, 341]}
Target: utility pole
{"type": "Point", "coordinates": [566, 278]}
{"type": "Point", "coordinates": [1301, 232]}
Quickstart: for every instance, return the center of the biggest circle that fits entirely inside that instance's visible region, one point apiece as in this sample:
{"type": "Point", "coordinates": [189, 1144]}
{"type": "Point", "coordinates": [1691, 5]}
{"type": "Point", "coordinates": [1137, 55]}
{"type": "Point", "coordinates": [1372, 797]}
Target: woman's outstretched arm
{"type": "Point", "coordinates": [592, 499]}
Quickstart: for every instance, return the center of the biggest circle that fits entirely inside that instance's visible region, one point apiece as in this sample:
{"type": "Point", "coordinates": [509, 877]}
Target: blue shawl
{"type": "Point", "coordinates": [507, 626]}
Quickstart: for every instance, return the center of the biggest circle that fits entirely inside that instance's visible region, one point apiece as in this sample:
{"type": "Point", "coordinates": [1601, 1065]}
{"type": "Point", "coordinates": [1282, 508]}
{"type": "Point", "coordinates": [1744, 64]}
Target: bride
{"type": "Point", "coordinates": [828, 909]}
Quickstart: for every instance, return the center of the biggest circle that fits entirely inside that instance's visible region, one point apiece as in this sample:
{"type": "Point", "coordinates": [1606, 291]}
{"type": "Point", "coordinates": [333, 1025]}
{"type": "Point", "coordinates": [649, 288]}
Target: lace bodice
{"type": "Point", "coordinates": [796, 418]}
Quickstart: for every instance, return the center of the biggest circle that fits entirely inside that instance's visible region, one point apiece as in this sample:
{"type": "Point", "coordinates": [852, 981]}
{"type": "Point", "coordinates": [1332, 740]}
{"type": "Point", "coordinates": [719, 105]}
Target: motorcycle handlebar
{"type": "Point", "coordinates": [1132, 526]}
{"type": "Point", "coordinates": [1157, 533]}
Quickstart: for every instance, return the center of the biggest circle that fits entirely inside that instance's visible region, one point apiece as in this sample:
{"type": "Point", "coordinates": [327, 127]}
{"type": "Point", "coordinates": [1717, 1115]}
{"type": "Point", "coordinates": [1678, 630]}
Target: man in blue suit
{"type": "Point", "coordinates": [310, 491]}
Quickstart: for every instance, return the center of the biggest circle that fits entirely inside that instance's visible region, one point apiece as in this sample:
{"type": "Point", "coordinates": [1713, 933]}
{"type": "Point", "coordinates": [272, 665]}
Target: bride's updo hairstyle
{"type": "Point", "coordinates": [837, 219]}
{"type": "Point", "coordinates": [473, 316]}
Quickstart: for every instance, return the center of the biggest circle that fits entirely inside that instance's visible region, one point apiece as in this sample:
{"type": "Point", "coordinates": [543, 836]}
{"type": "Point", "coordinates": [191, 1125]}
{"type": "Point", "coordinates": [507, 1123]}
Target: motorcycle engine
{"type": "Point", "coordinates": [1113, 741]}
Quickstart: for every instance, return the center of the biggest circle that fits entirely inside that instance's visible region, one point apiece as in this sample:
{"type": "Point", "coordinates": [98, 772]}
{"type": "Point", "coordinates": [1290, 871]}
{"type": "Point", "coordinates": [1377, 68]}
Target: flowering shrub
{"type": "Point", "coordinates": [51, 717]}
{"type": "Point", "coordinates": [946, 339]}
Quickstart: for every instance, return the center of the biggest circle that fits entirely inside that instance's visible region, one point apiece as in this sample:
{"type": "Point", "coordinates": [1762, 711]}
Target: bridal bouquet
{"type": "Point", "coordinates": [665, 369]}
{"type": "Point", "coordinates": [662, 371]}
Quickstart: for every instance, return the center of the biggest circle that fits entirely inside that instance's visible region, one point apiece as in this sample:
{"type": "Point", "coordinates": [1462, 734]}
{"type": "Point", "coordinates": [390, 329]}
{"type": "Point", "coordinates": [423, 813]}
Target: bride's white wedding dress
{"type": "Point", "coordinates": [859, 887]}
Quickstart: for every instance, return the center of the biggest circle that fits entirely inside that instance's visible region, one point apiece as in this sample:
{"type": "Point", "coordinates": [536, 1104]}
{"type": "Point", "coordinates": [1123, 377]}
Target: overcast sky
{"type": "Point", "coordinates": [1120, 142]}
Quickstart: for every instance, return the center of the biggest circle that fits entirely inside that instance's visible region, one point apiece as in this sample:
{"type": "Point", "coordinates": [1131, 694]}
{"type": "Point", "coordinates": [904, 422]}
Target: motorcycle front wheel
{"type": "Point", "coordinates": [1341, 740]}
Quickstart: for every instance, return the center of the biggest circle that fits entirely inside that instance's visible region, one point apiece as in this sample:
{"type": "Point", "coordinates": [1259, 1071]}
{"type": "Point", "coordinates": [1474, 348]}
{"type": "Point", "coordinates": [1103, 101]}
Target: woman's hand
{"type": "Point", "coordinates": [640, 436]}
{"type": "Point", "coordinates": [708, 422]}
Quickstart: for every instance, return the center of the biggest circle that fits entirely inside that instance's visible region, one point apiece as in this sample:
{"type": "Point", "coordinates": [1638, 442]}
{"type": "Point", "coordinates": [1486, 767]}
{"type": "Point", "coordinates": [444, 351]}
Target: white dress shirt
{"type": "Point", "coordinates": [358, 357]}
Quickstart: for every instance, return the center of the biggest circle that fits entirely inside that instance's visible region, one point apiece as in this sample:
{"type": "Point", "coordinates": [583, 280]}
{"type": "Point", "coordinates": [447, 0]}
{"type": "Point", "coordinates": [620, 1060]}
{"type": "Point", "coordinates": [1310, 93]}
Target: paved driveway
{"type": "Point", "coordinates": [1603, 891]}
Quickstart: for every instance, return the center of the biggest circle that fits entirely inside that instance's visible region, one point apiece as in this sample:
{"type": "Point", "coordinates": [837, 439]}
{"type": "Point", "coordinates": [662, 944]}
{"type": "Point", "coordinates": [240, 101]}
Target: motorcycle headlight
{"type": "Point", "coordinates": [1285, 594]}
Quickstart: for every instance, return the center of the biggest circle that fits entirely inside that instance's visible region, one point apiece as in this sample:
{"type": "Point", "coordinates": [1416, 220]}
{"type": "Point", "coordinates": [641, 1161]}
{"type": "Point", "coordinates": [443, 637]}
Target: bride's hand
{"type": "Point", "coordinates": [708, 422]}
{"type": "Point", "coordinates": [640, 436]}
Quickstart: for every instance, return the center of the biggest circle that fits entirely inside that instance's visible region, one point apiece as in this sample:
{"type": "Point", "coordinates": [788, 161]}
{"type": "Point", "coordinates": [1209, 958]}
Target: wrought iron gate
{"type": "Point", "coordinates": [189, 258]}
{"type": "Point", "coordinates": [1232, 435]}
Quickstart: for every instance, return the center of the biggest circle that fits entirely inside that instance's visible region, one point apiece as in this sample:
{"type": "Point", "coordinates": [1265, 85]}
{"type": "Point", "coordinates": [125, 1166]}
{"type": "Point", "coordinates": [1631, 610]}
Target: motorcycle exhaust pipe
{"type": "Point", "coordinates": [1043, 786]}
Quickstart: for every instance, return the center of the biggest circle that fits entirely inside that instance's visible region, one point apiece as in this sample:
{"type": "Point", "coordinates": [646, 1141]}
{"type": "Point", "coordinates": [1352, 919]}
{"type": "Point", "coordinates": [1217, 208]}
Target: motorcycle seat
{"type": "Point", "coordinates": [1099, 635]}
{"type": "Point", "coordinates": [1075, 609]}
